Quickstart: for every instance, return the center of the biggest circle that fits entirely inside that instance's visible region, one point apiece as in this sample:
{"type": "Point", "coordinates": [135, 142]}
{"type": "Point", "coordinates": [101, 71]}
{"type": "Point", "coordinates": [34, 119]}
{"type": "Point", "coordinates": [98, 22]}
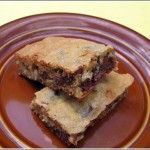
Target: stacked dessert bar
{"type": "Point", "coordinates": [82, 72]}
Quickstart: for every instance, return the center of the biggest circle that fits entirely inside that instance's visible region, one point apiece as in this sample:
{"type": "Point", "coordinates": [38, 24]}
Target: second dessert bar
{"type": "Point", "coordinates": [68, 118]}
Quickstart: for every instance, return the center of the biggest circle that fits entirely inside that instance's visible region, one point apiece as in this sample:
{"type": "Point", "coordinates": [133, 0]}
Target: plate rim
{"type": "Point", "coordinates": [76, 14]}
{"type": "Point", "coordinates": [79, 14]}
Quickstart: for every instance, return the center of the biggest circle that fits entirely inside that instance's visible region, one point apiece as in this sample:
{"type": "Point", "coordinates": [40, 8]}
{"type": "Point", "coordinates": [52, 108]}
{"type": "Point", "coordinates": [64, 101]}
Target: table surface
{"type": "Point", "coordinates": [132, 14]}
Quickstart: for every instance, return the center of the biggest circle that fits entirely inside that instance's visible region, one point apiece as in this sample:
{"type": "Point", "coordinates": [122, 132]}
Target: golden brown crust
{"type": "Point", "coordinates": [66, 53]}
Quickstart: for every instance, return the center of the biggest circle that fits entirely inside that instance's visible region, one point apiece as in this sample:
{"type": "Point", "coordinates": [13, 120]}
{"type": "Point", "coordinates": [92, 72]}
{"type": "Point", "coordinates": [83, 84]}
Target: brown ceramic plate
{"type": "Point", "coordinates": [127, 126]}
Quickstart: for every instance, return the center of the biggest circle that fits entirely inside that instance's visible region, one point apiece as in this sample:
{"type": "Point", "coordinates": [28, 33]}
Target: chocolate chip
{"type": "Point", "coordinates": [68, 79]}
{"type": "Point", "coordinates": [87, 84]}
{"type": "Point", "coordinates": [57, 92]}
{"type": "Point", "coordinates": [44, 75]}
{"type": "Point", "coordinates": [34, 67]}
{"type": "Point", "coordinates": [86, 111]}
{"type": "Point", "coordinates": [79, 71]}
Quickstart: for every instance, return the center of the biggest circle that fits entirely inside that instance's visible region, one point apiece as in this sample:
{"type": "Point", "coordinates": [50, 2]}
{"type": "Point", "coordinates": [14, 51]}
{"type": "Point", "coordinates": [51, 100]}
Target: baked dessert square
{"type": "Point", "coordinates": [71, 65]}
{"type": "Point", "coordinates": [68, 118]}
